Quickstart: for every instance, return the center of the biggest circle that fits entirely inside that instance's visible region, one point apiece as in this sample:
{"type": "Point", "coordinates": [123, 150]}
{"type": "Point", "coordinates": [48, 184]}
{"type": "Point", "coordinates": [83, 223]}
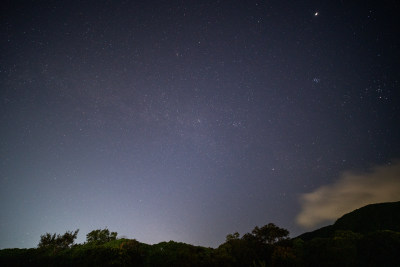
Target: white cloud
{"type": "Point", "coordinates": [353, 190]}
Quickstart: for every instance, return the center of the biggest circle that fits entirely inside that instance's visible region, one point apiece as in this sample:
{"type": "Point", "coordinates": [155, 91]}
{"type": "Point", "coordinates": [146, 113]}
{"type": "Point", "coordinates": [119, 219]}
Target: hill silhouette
{"type": "Point", "coordinates": [369, 236]}
{"type": "Point", "coordinates": [370, 218]}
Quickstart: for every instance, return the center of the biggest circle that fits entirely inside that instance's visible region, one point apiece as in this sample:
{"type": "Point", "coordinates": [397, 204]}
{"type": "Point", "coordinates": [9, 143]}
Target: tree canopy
{"type": "Point", "coordinates": [58, 241]}
{"type": "Point", "coordinates": [268, 245]}
{"type": "Point", "coordinates": [270, 233]}
{"type": "Point", "coordinates": [101, 236]}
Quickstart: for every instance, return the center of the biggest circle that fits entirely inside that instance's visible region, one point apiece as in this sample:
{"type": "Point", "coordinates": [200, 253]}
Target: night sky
{"type": "Point", "coordinates": [190, 120]}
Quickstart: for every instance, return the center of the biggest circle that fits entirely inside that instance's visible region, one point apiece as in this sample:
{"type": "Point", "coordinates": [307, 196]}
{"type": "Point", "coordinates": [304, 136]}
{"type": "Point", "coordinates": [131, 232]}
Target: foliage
{"type": "Point", "coordinates": [340, 250]}
{"type": "Point", "coordinates": [57, 242]}
{"type": "Point", "coordinates": [178, 254]}
{"type": "Point", "coordinates": [254, 248]}
{"type": "Point", "coordinates": [270, 234]}
{"type": "Point", "coordinates": [284, 256]}
{"type": "Point", "coordinates": [345, 248]}
{"type": "Point", "coordinates": [380, 248]}
{"type": "Point", "coordinates": [374, 217]}
{"type": "Point", "coordinates": [101, 236]}
{"type": "Point", "coordinates": [264, 246]}
{"type": "Point", "coordinates": [233, 236]}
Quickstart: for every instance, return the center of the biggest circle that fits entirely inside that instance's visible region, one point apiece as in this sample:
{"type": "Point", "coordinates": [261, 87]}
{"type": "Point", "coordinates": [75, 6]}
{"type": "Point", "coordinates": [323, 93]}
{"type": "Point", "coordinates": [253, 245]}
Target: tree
{"type": "Point", "coordinates": [233, 236]}
{"type": "Point", "coordinates": [101, 236]}
{"type": "Point", "coordinates": [270, 234]}
{"type": "Point", "coordinates": [58, 241]}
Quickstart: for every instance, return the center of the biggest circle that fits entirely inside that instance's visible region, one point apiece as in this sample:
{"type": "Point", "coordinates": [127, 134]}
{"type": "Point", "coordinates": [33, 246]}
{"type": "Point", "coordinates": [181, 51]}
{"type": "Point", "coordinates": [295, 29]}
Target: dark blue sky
{"type": "Point", "coordinates": [188, 120]}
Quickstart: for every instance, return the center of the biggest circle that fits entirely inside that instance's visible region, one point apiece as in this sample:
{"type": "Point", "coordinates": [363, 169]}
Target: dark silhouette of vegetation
{"type": "Point", "coordinates": [268, 245]}
{"type": "Point", "coordinates": [255, 248]}
{"type": "Point", "coordinates": [374, 217]}
{"type": "Point", "coordinates": [101, 236]}
{"type": "Point", "coordinates": [57, 242]}
{"type": "Point", "coordinates": [270, 234]}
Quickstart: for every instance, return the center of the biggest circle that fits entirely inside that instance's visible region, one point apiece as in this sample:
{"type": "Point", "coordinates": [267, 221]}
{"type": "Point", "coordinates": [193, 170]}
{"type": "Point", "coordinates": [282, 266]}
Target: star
{"type": "Point", "coordinates": [172, 115]}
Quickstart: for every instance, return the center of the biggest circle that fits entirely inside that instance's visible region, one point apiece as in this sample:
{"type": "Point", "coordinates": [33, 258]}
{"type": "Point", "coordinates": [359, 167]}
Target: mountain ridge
{"type": "Point", "coordinates": [369, 218]}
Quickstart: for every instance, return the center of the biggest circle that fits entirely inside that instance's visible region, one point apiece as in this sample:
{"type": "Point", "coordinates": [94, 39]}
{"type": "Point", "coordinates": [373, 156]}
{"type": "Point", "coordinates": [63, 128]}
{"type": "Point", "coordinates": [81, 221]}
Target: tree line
{"type": "Point", "coordinates": [268, 245]}
{"type": "Point", "coordinates": [58, 242]}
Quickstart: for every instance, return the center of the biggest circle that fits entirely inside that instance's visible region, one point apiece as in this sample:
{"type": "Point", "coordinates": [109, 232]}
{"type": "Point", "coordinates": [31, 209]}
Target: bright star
{"type": "Point", "coordinates": [316, 14]}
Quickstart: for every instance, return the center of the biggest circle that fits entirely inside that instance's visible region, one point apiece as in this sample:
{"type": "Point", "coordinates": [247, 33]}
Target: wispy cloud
{"type": "Point", "coordinates": [353, 190]}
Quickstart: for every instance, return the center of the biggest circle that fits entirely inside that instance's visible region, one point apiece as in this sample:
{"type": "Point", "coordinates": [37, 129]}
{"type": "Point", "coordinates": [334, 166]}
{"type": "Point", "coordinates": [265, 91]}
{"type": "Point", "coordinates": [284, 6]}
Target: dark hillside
{"type": "Point", "coordinates": [370, 218]}
{"type": "Point", "coordinates": [369, 236]}
{"type": "Point", "coordinates": [375, 217]}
